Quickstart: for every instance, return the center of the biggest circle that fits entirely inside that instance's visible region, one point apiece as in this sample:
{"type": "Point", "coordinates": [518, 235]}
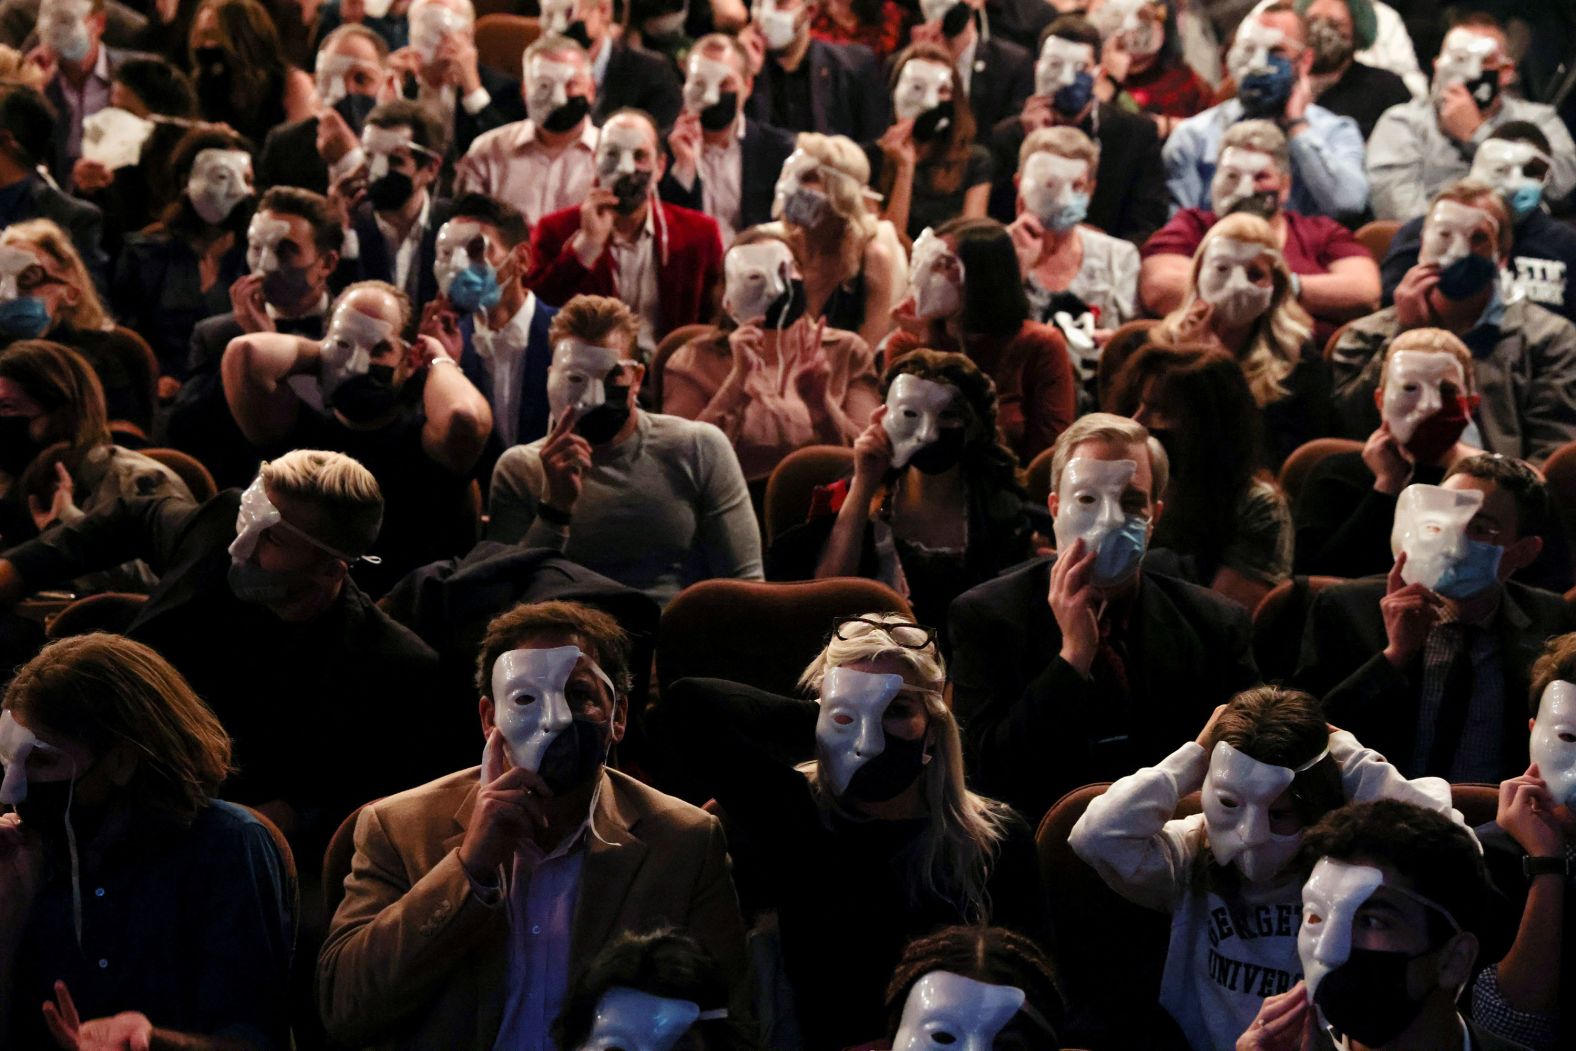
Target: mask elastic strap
{"type": "Point", "coordinates": [315, 542]}
{"type": "Point", "coordinates": [76, 861]}
{"type": "Point", "coordinates": [1310, 764]}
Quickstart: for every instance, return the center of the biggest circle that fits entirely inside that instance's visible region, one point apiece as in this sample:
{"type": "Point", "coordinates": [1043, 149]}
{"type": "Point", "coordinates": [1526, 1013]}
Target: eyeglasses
{"type": "Point", "coordinates": [906, 634]}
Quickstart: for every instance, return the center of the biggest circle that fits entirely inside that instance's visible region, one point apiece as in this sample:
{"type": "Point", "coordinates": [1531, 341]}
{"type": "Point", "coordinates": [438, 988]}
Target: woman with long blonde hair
{"type": "Point", "coordinates": [1239, 297]}
{"type": "Point", "coordinates": [876, 839]}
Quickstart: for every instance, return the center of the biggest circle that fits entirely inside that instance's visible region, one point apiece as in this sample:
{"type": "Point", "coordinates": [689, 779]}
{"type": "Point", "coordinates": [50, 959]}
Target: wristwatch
{"type": "Point", "coordinates": [1560, 866]}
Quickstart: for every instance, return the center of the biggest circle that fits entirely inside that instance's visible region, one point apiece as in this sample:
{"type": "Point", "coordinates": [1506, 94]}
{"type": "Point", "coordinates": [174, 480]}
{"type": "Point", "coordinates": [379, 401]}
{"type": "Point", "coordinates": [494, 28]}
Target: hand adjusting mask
{"type": "Point", "coordinates": [540, 727]}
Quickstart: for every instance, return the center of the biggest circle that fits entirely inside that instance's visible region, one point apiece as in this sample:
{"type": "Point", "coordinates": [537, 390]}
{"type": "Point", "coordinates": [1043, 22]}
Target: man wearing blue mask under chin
{"type": "Point", "coordinates": [1430, 664]}
{"type": "Point", "coordinates": [1074, 669]}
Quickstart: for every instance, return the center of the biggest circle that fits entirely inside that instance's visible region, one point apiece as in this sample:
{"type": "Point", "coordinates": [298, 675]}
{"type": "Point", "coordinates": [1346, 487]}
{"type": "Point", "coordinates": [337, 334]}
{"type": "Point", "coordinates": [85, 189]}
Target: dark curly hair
{"type": "Point", "coordinates": [986, 954]}
{"type": "Point", "coordinates": [179, 216]}
{"type": "Point", "coordinates": [985, 458]}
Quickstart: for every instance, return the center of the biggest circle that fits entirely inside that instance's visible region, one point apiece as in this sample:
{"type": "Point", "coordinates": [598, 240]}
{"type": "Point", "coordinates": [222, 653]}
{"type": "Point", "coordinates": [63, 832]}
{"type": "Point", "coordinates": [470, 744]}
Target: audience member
{"type": "Point", "coordinates": [1525, 355]}
{"type": "Point", "coordinates": [805, 84]}
{"type": "Point", "coordinates": [390, 25]}
{"type": "Point", "coordinates": [79, 67]}
{"type": "Point", "coordinates": [352, 77]}
{"type": "Point", "coordinates": [141, 911]}
{"type": "Point", "coordinates": [1339, 81]}
{"type": "Point", "coordinates": [882, 26]}
{"type": "Point", "coordinates": [440, 69]}
{"type": "Point", "coordinates": [995, 74]}
{"type": "Point", "coordinates": [26, 141]}
{"type": "Point", "coordinates": [541, 839]}
{"type": "Point", "coordinates": [1082, 667]}
{"type": "Point", "coordinates": [769, 377]}
{"type": "Point", "coordinates": [244, 79]}
{"type": "Point", "coordinates": [623, 75]}
{"type": "Point", "coordinates": [1141, 57]}
{"type": "Point", "coordinates": [877, 834]}
{"type": "Point", "coordinates": [1430, 663]}
{"type": "Point", "coordinates": [1419, 148]}
{"type": "Point", "coordinates": [654, 502]}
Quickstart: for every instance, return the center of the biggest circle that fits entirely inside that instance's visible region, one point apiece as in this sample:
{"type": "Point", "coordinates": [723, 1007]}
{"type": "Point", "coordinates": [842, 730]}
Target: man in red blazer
{"type": "Point", "coordinates": [664, 261]}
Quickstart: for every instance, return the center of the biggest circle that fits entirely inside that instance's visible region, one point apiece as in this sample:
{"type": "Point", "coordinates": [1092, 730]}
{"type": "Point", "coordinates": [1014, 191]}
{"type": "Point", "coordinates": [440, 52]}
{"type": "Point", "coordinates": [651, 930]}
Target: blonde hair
{"type": "Point", "coordinates": [594, 319]}
{"type": "Point", "coordinates": [1278, 334]}
{"type": "Point", "coordinates": [1260, 136]}
{"type": "Point", "coordinates": [965, 829]}
{"type": "Point", "coordinates": [1118, 430]}
{"type": "Point", "coordinates": [1063, 142]}
{"type": "Point", "coordinates": [87, 313]}
{"type": "Point", "coordinates": [1431, 341]}
{"type": "Point", "coordinates": [348, 495]}
{"type": "Point", "coordinates": [845, 194]}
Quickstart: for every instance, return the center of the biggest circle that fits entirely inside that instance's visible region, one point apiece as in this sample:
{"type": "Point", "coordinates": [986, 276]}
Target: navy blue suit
{"type": "Point", "coordinates": [532, 406]}
{"type": "Point", "coordinates": [376, 262]}
{"type": "Point", "coordinates": [847, 93]}
{"type": "Point", "coordinates": [761, 156]}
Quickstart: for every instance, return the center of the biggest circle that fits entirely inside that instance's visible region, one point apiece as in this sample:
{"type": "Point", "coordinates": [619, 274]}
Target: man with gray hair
{"type": "Point", "coordinates": [441, 71]}
{"type": "Point", "coordinates": [1080, 666]}
{"type": "Point", "coordinates": [257, 608]}
{"type": "Point", "coordinates": [1334, 276]}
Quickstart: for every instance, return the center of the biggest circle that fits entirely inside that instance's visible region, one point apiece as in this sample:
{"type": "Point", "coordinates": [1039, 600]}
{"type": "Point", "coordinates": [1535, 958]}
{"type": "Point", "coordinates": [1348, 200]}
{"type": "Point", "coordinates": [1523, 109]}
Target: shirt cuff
{"type": "Point", "coordinates": [351, 249]}
{"type": "Point", "coordinates": [488, 896]}
{"type": "Point", "coordinates": [346, 164]}
{"type": "Point", "coordinates": [476, 101]}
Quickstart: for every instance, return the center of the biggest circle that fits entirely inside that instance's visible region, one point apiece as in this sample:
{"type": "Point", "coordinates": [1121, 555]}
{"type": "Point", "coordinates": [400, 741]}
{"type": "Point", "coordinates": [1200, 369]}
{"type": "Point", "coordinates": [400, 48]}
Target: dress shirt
{"type": "Point", "coordinates": [511, 164]}
{"type": "Point", "coordinates": [93, 97]}
{"type": "Point", "coordinates": [501, 353]}
{"type": "Point", "coordinates": [599, 63]}
{"type": "Point", "coordinates": [439, 101]}
{"type": "Point", "coordinates": [407, 250]}
{"type": "Point", "coordinates": [1476, 756]}
{"type": "Point", "coordinates": [965, 64]}
{"type": "Point", "coordinates": [721, 170]}
{"type": "Point", "coordinates": [636, 273]}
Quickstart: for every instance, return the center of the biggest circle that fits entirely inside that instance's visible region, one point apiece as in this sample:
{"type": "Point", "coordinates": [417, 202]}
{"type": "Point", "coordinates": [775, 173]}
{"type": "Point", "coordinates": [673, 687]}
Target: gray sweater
{"type": "Point", "coordinates": [664, 508]}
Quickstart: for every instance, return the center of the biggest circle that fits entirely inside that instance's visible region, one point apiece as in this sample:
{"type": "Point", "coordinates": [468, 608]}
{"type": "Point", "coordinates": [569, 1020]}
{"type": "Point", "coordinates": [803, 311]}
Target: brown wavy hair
{"type": "Point", "coordinates": [61, 381]}
{"type": "Point", "coordinates": [943, 162]}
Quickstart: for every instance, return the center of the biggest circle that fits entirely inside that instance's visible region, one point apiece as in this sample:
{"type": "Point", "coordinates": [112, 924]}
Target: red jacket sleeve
{"type": "Point", "coordinates": [557, 275]}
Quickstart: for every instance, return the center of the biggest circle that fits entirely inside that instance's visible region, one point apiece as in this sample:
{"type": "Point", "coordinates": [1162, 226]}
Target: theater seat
{"type": "Point", "coordinates": [1303, 459]}
{"type": "Point", "coordinates": [1376, 237]}
{"type": "Point", "coordinates": [1335, 338]}
{"type": "Point", "coordinates": [287, 860]}
{"type": "Point", "coordinates": [792, 484]}
{"type": "Point", "coordinates": [665, 349]}
{"type": "Point", "coordinates": [758, 633]}
{"type": "Point", "coordinates": [111, 611]}
{"type": "Point", "coordinates": [1037, 477]}
{"type": "Point", "coordinates": [1560, 471]}
{"type": "Point", "coordinates": [1278, 622]}
{"type": "Point", "coordinates": [501, 41]}
{"type": "Point", "coordinates": [336, 861]}
{"type": "Point", "coordinates": [189, 469]}
{"type": "Point", "coordinates": [1477, 802]}
{"type": "Point", "coordinates": [1124, 343]}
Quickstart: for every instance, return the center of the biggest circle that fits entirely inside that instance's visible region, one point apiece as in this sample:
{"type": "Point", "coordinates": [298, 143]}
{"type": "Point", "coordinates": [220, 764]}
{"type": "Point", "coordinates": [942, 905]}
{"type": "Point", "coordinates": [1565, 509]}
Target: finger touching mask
{"type": "Point", "coordinates": [948, 1011]}
{"type": "Point", "coordinates": [1464, 58]}
{"type": "Point", "coordinates": [935, 278]}
{"type": "Point", "coordinates": [1553, 744]}
{"type": "Point", "coordinates": [1239, 793]}
{"type": "Point", "coordinates": [1330, 900]}
{"type": "Point", "coordinates": [1132, 24]}
{"type": "Point", "coordinates": [1431, 528]}
{"type": "Point", "coordinates": [916, 408]}
{"type": "Point", "coordinates": [531, 707]}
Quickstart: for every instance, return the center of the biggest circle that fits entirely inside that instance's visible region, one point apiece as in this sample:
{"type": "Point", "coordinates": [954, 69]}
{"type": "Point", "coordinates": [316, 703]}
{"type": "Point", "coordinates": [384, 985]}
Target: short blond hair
{"type": "Point", "coordinates": [599, 320]}
{"type": "Point", "coordinates": [87, 313]}
{"type": "Point", "coordinates": [1109, 427]}
{"type": "Point", "coordinates": [400, 298]}
{"type": "Point", "coordinates": [1260, 136]}
{"type": "Point", "coordinates": [1482, 196]}
{"type": "Point", "coordinates": [1431, 341]}
{"type": "Point", "coordinates": [1063, 142]}
{"type": "Point", "coordinates": [347, 494]}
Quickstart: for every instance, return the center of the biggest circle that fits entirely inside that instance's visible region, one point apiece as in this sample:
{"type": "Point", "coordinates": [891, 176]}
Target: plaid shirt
{"type": "Point", "coordinates": [1538, 1032]}
{"type": "Point", "coordinates": [1476, 756]}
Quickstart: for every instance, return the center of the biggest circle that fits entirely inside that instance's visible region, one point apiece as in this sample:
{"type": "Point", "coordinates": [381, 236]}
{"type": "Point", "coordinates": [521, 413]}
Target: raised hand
{"type": "Point", "coordinates": [1409, 610]}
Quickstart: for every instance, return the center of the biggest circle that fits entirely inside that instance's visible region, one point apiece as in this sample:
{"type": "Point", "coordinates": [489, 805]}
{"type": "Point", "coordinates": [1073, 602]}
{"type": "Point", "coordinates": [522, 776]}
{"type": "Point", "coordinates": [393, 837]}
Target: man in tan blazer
{"type": "Point", "coordinates": [476, 901]}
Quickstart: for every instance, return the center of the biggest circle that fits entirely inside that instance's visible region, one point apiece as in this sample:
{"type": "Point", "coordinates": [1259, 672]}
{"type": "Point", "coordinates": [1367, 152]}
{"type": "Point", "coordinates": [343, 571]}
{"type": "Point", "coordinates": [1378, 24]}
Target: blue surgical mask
{"type": "Point", "coordinates": [1524, 199]}
{"type": "Point", "coordinates": [1074, 209]}
{"type": "Point", "coordinates": [1121, 550]}
{"type": "Point", "coordinates": [25, 317]}
{"type": "Point", "coordinates": [1474, 573]}
{"type": "Point", "coordinates": [1264, 93]}
{"type": "Point", "coordinates": [475, 288]}
{"type": "Point", "coordinates": [1070, 99]}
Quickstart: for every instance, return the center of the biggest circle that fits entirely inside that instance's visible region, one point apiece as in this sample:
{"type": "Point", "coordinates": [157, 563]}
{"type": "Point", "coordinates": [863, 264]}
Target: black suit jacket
{"type": "Point", "coordinates": [1019, 21]}
{"type": "Point", "coordinates": [1003, 78]}
{"type": "Point", "coordinates": [290, 158]}
{"type": "Point", "coordinates": [847, 93]}
{"type": "Point", "coordinates": [1129, 199]}
{"type": "Point", "coordinates": [761, 157]}
{"type": "Point", "coordinates": [1037, 728]}
{"type": "Point", "coordinates": [81, 221]}
{"type": "Point", "coordinates": [505, 107]}
{"type": "Point", "coordinates": [1343, 662]}
{"type": "Point", "coordinates": [642, 79]}
{"type": "Point", "coordinates": [60, 164]}
{"type": "Point", "coordinates": [376, 263]}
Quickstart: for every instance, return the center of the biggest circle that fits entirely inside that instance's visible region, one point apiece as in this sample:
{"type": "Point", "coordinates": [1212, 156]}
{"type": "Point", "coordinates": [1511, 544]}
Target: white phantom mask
{"type": "Point", "coordinates": [915, 406]}
{"type": "Point", "coordinates": [1234, 177]}
{"type": "Point", "coordinates": [377, 8]}
{"type": "Point", "coordinates": [1462, 57]}
{"type": "Point", "coordinates": [556, 15]}
{"type": "Point", "coordinates": [1089, 507]}
{"type": "Point", "coordinates": [1504, 165]}
{"type": "Point", "coordinates": [1238, 792]}
{"type": "Point", "coordinates": [576, 379]}
{"type": "Point", "coordinates": [219, 180]}
{"type": "Point", "coordinates": [1330, 900]}
{"type": "Point", "coordinates": [331, 73]}
{"type": "Point", "coordinates": [617, 149]}
{"type": "Point", "coordinates": [755, 276]}
{"type": "Point", "coordinates": [1250, 52]}
{"type": "Point", "coordinates": [1048, 181]}
{"type": "Point", "coordinates": [948, 1012]}
{"type": "Point", "coordinates": [530, 707]}
{"type": "Point", "coordinates": [848, 730]}
{"type": "Point", "coordinates": [937, 292]}
{"type": "Point", "coordinates": [430, 24]}
{"type": "Point", "coordinates": [382, 143]}
{"type": "Point", "coordinates": [1126, 21]}
{"type": "Point", "coordinates": [920, 86]}
{"type": "Point", "coordinates": [62, 27]}
{"type": "Point", "coordinates": [704, 81]}
{"type": "Point", "coordinates": [347, 349]}
{"type": "Point", "coordinates": [1447, 233]}
{"type": "Point", "coordinates": [1553, 741]}
{"type": "Point", "coordinates": [1431, 527]}
{"type": "Point", "coordinates": [114, 137]}
{"type": "Point", "coordinates": [629, 1020]}
{"type": "Point", "coordinates": [460, 246]}
{"type": "Point", "coordinates": [1414, 388]}
{"type": "Point", "coordinates": [932, 10]}
{"type": "Point", "coordinates": [13, 262]}
{"type": "Point", "coordinates": [262, 242]}
{"type": "Point", "coordinates": [778, 27]}
{"type": "Point", "coordinates": [1059, 64]}
{"type": "Point", "coordinates": [1224, 284]}
{"type": "Point", "coordinates": [547, 86]}
{"type": "Point", "coordinates": [17, 743]}
{"type": "Point", "coordinates": [258, 514]}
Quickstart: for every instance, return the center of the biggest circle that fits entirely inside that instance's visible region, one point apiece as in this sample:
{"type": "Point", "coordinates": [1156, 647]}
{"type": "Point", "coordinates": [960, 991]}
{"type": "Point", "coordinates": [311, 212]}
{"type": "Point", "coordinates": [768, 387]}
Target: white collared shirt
{"type": "Point", "coordinates": [721, 170]}
{"type": "Point", "coordinates": [635, 268]}
{"type": "Point", "coordinates": [407, 250]}
{"type": "Point", "coordinates": [599, 64]}
{"type": "Point", "coordinates": [965, 64]}
{"type": "Point", "coordinates": [501, 353]}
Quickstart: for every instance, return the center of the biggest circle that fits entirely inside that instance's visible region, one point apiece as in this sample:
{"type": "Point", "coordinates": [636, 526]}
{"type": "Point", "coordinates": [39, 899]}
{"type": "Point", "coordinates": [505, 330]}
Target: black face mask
{"type": "Point", "coordinates": [568, 115]}
{"type": "Point", "coordinates": [930, 124]}
{"type": "Point", "coordinates": [354, 108]}
{"type": "Point", "coordinates": [955, 20]}
{"type": "Point", "coordinates": [1484, 89]}
{"type": "Point", "coordinates": [1263, 204]}
{"type": "Point", "coordinates": [1366, 997]}
{"type": "Point", "coordinates": [17, 447]}
{"type": "Point", "coordinates": [786, 308]}
{"type": "Point", "coordinates": [942, 454]}
{"type": "Point", "coordinates": [577, 32]}
{"type": "Point", "coordinates": [631, 189]}
{"type": "Point", "coordinates": [1467, 276]}
{"type": "Point", "coordinates": [390, 191]}
{"type": "Point", "coordinates": [212, 64]}
{"type": "Point", "coordinates": [600, 423]}
{"type": "Point", "coordinates": [889, 773]}
{"type": "Point", "coordinates": [361, 399]}
{"type": "Point", "coordinates": [722, 113]}
{"type": "Point", "coordinates": [574, 756]}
